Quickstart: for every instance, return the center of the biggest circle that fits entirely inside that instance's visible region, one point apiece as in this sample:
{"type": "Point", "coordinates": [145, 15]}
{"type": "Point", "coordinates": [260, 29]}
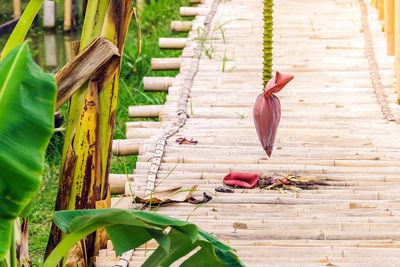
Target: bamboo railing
{"type": "Point", "coordinates": [389, 14]}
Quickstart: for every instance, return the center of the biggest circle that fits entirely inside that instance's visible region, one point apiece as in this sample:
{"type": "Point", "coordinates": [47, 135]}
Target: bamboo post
{"type": "Point", "coordinates": [397, 46]}
{"type": "Point", "coordinates": [172, 43]}
{"type": "Point", "coordinates": [124, 259]}
{"type": "Point", "coordinates": [141, 133]}
{"type": "Point", "coordinates": [187, 11]}
{"type": "Point", "coordinates": [157, 83]}
{"type": "Point", "coordinates": [49, 14]}
{"type": "Point", "coordinates": [145, 111]}
{"type": "Point", "coordinates": [17, 8]}
{"type": "Point", "coordinates": [123, 147]}
{"type": "Point", "coordinates": [67, 15]}
{"type": "Point", "coordinates": [389, 26]}
{"type": "Point", "coordinates": [181, 26]}
{"type": "Point", "coordinates": [166, 63]}
{"type": "Point", "coordinates": [381, 10]}
{"type": "Point", "coordinates": [118, 181]}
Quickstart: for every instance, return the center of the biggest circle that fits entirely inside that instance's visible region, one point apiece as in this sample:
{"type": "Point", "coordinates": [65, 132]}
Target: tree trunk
{"type": "Point", "coordinates": [88, 138]}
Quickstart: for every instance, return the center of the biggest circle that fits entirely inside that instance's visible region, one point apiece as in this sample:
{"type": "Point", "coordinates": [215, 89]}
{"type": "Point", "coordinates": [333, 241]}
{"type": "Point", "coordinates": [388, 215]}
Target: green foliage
{"type": "Point", "coordinates": [129, 229]}
{"type": "Point", "coordinates": [27, 102]}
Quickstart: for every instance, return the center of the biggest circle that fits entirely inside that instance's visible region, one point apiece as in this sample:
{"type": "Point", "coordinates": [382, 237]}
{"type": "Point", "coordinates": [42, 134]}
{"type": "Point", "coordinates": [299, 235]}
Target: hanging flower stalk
{"type": "Point", "coordinates": [88, 138]}
{"type": "Point", "coordinates": [267, 111]}
{"type": "Point", "coordinates": [268, 27]}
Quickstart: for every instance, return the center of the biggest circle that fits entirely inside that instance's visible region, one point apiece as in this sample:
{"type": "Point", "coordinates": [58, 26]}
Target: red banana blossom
{"type": "Point", "coordinates": [267, 111]}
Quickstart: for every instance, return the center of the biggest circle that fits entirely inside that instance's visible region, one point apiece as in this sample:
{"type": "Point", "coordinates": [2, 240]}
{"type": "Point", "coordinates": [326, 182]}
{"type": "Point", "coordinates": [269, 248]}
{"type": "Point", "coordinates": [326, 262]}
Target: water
{"type": "Point", "coordinates": [51, 50]}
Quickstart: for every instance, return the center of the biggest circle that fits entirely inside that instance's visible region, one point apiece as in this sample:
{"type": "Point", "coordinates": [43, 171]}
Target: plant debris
{"type": "Point", "coordinates": [175, 194]}
{"type": "Point", "coordinates": [223, 189]}
{"type": "Point", "coordinates": [184, 141]}
{"type": "Point", "coordinates": [239, 225]}
{"type": "Point", "coordinates": [205, 199]}
{"type": "Point", "coordinates": [289, 182]}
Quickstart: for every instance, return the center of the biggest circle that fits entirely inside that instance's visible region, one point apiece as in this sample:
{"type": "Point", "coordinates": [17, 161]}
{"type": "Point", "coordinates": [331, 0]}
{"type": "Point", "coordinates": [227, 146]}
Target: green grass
{"type": "Point", "coordinates": [155, 23]}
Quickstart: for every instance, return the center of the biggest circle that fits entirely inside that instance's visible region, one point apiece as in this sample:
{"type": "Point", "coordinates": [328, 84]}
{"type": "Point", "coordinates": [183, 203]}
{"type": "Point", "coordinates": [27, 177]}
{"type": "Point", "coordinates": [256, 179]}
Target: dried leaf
{"type": "Point", "coordinates": [175, 194]}
{"type": "Point", "coordinates": [98, 56]}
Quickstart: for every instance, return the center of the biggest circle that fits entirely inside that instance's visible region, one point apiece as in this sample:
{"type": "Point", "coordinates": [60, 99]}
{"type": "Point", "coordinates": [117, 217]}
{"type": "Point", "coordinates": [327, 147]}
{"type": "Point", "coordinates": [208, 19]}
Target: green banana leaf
{"type": "Point", "coordinates": [27, 102]}
{"type": "Point", "coordinates": [128, 229]}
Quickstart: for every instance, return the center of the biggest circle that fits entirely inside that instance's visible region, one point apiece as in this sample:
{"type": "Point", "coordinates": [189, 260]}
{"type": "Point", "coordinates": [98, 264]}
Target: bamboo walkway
{"type": "Point", "coordinates": [332, 128]}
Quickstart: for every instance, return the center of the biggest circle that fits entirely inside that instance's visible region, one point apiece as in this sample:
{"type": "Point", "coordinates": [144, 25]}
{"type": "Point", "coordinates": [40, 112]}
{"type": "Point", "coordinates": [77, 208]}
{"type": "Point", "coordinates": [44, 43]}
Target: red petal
{"type": "Point", "coordinates": [242, 179]}
{"type": "Point", "coordinates": [276, 84]}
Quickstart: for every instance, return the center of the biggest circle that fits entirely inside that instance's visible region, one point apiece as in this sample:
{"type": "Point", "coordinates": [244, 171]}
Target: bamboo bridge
{"type": "Point", "coordinates": [339, 124]}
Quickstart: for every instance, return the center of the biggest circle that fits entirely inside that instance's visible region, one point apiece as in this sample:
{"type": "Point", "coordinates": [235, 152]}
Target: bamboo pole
{"type": "Point", "coordinates": [381, 5]}
{"type": "Point", "coordinates": [144, 124]}
{"type": "Point", "coordinates": [118, 181]}
{"type": "Point", "coordinates": [126, 147]}
{"type": "Point", "coordinates": [17, 8]}
{"type": "Point", "coordinates": [124, 259]}
{"type": "Point", "coordinates": [67, 15]}
{"type": "Point", "coordinates": [145, 111]}
{"type": "Point", "coordinates": [157, 83]}
{"type": "Point", "coordinates": [166, 63]}
{"type": "Point", "coordinates": [137, 133]}
{"type": "Point", "coordinates": [49, 14]}
{"type": "Point", "coordinates": [172, 43]}
{"type": "Point", "coordinates": [397, 46]}
{"type": "Point", "coordinates": [389, 25]}
{"type": "Point", "coordinates": [195, 1]}
{"type": "Point", "coordinates": [186, 11]}
{"type": "Point", "coordinates": [181, 26]}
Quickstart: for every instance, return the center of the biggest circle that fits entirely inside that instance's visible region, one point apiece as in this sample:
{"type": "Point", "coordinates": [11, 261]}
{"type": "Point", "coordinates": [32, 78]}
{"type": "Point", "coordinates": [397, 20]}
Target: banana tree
{"type": "Point", "coordinates": [27, 104]}
{"type": "Point", "coordinates": [128, 229]}
{"type": "Point", "coordinates": [88, 137]}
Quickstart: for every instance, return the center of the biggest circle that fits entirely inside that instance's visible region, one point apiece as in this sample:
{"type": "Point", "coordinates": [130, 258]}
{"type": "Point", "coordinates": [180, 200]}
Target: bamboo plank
{"type": "Point", "coordinates": [166, 63]}
{"type": "Point", "coordinates": [157, 83]}
{"type": "Point", "coordinates": [145, 111]}
{"type": "Point", "coordinates": [172, 43]}
{"type": "Point", "coordinates": [181, 26]}
{"type": "Point", "coordinates": [192, 11]}
{"type": "Point", "coordinates": [118, 181]}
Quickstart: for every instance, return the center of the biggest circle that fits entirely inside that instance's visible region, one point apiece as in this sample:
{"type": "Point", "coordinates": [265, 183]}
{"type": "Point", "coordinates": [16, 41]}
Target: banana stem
{"type": "Point", "coordinates": [268, 27]}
